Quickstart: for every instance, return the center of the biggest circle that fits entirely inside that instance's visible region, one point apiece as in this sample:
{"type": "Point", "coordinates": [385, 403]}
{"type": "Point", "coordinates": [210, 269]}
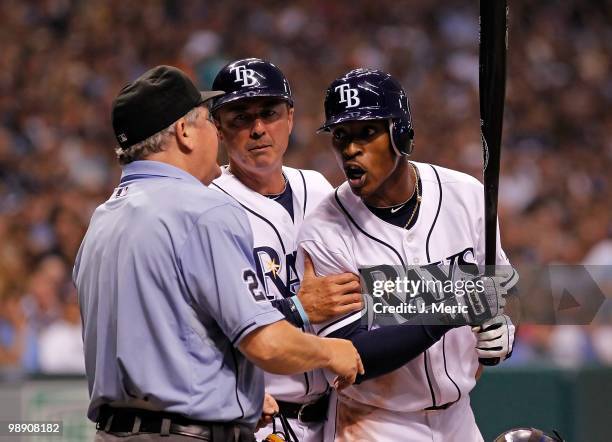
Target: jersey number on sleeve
{"type": "Point", "coordinates": [250, 278]}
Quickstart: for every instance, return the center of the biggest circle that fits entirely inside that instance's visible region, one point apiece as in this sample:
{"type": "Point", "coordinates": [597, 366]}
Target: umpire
{"type": "Point", "coordinates": [170, 302]}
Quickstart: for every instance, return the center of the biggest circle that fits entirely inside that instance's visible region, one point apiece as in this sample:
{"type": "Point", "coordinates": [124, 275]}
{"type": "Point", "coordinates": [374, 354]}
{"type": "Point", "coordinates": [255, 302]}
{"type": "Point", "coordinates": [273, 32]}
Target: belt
{"type": "Point", "coordinates": [311, 412]}
{"type": "Point", "coordinates": [133, 420]}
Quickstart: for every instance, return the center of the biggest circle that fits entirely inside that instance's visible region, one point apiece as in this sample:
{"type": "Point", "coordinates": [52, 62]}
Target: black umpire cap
{"type": "Point", "coordinates": [153, 102]}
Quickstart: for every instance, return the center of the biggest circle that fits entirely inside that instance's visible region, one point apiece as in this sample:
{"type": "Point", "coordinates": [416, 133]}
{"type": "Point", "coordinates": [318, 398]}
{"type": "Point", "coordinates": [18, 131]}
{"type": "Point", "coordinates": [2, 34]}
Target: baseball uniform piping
{"type": "Point", "coordinates": [337, 321]}
{"type": "Point", "coordinates": [433, 395]}
{"type": "Point", "coordinates": [236, 383]}
{"type": "Point", "coordinates": [366, 233]}
{"type": "Point", "coordinates": [139, 176]}
{"type": "Point", "coordinates": [305, 193]}
{"type": "Point", "coordinates": [428, 260]}
{"type": "Point", "coordinates": [446, 369]}
{"type": "Point", "coordinates": [437, 213]}
{"type": "Point", "coordinates": [241, 332]}
{"type": "Point", "coordinates": [256, 214]}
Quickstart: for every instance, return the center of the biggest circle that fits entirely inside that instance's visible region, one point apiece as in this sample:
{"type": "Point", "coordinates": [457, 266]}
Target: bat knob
{"type": "Point", "coordinates": [489, 362]}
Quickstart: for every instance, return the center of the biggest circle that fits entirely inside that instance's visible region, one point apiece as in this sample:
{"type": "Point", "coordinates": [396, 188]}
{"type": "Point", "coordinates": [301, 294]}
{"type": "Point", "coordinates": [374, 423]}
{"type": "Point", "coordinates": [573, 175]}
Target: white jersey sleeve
{"type": "Point", "coordinates": [328, 258]}
{"type": "Point", "coordinates": [318, 188]}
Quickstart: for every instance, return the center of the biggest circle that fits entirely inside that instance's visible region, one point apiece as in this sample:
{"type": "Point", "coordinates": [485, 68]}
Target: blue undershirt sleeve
{"type": "Point", "coordinates": [385, 349]}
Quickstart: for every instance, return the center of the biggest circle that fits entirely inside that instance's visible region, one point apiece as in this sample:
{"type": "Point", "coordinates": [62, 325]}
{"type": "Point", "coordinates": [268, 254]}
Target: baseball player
{"type": "Point", "coordinates": [400, 216]}
{"type": "Point", "coordinates": [254, 119]}
{"type": "Point", "coordinates": [173, 317]}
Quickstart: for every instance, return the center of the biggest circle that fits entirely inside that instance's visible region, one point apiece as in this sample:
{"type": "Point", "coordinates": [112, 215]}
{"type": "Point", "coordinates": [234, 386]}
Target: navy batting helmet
{"type": "Point", "coordinates": [367, 94]}
{"type": "Point", "coordinates": [527, 435]}
{"type": "Point", "coordinates": [251, 77]}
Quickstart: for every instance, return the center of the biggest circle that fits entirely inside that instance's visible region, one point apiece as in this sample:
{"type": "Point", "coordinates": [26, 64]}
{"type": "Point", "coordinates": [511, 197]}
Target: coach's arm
{"type": "Point", "coordinates": [282, 349]}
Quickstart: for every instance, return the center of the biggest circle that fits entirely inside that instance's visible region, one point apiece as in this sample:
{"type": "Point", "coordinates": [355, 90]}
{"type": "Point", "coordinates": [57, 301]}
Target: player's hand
{"type": "Point", "coordinates": [488, 299]}
{"type": "Point", "coordinates": [327, 297]}
{"type": "Point", "coordinates": [270, 409]}
{"type": "Point", "coordinates": [495, 338]}
{"type": "Point", "coordinates": [345, 361]}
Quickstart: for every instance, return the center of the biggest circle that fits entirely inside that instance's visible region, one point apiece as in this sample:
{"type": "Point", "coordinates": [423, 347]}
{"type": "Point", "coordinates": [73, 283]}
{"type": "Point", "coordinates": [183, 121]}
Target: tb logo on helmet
{"type": "Point", "coordinates": [348, 95]}
{"type": "Point", "coordinates": [247, 76]}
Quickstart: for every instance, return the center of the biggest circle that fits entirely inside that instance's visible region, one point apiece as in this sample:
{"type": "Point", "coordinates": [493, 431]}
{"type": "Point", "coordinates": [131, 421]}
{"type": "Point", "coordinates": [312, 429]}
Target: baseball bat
{"type": "Point", "coordinates": [492, 90]}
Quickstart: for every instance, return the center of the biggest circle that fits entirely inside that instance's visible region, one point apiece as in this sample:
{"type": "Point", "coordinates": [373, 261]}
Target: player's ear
{"type": "Point", "coordinates": [290, 118]}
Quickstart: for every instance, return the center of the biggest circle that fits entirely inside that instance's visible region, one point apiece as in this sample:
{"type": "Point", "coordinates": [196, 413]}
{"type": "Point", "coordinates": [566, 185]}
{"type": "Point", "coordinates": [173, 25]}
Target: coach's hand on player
{"type": "Point", "coordinates": [327, 297]}
{"type": "Point", "coordinates": [344, 361]}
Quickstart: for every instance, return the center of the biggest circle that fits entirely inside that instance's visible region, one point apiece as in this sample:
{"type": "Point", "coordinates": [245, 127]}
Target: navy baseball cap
{"type": "Point", "coordinates": [153, 102]}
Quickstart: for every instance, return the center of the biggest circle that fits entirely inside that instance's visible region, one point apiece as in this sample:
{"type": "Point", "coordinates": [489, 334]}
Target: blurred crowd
{"type": "Point", "coordinates": [63, 62]}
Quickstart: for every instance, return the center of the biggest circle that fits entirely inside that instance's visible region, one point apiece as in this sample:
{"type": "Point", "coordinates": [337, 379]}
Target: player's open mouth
{"type": "Point", "coordinates": [356, 175]}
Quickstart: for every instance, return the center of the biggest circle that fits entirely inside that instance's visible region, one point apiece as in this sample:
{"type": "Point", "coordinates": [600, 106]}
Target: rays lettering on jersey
{"type": "Point", "coordinates": [443, 271]}
{"type": "Point", "coordinates": [270, 270]}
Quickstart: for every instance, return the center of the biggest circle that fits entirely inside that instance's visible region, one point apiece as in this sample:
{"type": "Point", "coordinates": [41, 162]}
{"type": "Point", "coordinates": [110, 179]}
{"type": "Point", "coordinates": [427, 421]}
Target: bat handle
{"type": "Point", "coordinates": [489, 362]}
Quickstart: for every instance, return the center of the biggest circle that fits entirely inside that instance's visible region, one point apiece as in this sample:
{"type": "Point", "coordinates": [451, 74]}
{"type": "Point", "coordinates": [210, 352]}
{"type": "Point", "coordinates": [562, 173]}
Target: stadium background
{"type": "Point", "coordinates": [63, 61]}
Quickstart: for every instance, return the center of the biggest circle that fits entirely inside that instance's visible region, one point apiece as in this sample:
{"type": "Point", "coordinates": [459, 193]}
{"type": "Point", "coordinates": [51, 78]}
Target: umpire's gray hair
{"type": "Point", "coordinates": [155, 143]}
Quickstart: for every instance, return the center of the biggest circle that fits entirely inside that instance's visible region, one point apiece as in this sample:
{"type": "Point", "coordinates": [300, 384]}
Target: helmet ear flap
{"type": "Point", "coordinates": [401, 135]}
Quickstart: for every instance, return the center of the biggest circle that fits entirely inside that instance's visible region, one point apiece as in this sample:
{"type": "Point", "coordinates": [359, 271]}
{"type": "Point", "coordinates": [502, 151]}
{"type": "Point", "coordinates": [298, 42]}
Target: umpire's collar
{"type": "Point", "coordinates": [149, 169]}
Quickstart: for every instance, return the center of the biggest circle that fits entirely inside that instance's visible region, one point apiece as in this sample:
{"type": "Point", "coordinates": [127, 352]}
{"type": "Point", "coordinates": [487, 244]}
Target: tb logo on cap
{"type": "Point", "coordinates": [348, 95]}
{"type": "Point", "coordinates": [247, 76]}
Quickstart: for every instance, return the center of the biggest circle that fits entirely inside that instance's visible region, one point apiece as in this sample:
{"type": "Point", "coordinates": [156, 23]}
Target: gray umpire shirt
{"type": "Point", "coordinates": [167, 290]}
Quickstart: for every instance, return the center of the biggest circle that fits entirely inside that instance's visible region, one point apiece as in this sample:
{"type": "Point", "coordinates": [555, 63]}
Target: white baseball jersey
{"type": "Point", "coordinates": [275, 250]}
{"type": "Point", "coordinates": [343, 235]}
